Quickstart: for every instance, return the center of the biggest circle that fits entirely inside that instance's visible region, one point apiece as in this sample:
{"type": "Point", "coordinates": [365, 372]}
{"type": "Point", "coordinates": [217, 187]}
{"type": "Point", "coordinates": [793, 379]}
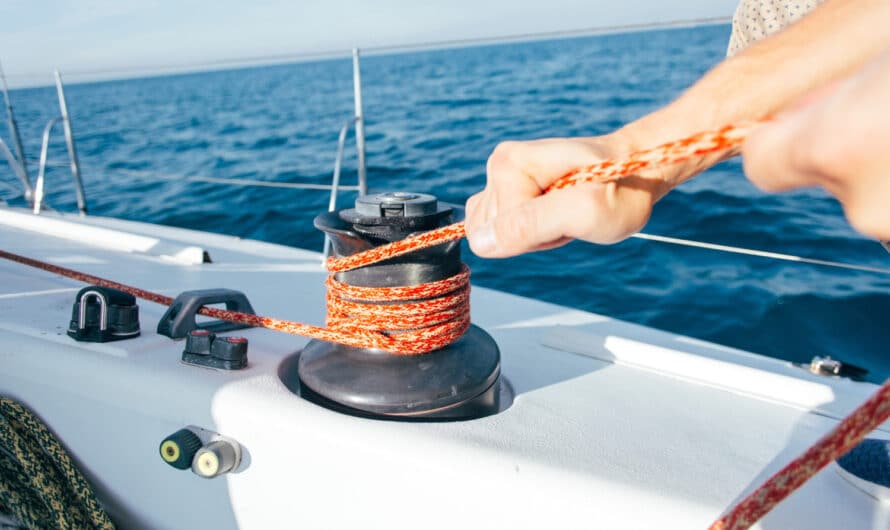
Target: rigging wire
{"type": "Point", "coordinates": [148, 175]}
{"type": "Point", "coordinates": [640, 235]}
{"type": "Point", "coordinates": [268, 184]}
{"type": "Point", "coordinates": [760, 253]}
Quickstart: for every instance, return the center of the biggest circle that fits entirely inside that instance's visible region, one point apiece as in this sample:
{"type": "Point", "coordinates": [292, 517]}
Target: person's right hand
{"type": "Point", "coordinates": [838, 139]}
{"type": "Point", "coordinates": [512, 215]}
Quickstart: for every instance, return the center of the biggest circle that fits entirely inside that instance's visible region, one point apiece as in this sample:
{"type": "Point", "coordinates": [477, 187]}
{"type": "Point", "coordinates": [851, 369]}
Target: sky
{"type": "Point", "coordinates": [109, 38]}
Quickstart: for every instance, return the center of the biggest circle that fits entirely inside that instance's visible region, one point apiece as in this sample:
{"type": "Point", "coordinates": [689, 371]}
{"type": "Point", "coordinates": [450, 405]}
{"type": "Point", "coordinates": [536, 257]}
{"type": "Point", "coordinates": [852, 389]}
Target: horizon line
{"type": "Point", "coordinates": [234, 63]}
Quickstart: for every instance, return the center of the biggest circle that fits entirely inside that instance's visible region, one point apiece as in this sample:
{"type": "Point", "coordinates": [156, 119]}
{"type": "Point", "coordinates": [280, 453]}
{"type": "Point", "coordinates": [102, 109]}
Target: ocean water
{"type": "Point", "coordinates": [432, 119]}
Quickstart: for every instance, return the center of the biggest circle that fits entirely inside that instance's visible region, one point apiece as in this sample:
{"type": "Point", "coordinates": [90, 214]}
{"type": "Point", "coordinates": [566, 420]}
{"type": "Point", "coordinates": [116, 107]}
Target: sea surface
{"type": "Point", "coordinates": [432, 119]}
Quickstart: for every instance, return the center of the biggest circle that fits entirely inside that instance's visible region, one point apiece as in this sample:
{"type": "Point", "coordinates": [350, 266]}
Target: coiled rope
{"type": "Point", "coordinates": [40, 486]}
{"type": "Point", "coordinates": [407, 320]}
{"type": "Point", "coordinates": [444, 307]}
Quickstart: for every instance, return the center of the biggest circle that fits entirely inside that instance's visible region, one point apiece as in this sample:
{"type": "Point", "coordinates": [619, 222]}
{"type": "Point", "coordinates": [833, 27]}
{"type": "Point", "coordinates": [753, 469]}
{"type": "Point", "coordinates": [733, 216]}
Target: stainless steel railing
{"type": "Point", "coordinates": [41, 168]}
{"type": "Point", "coordinates": [36, 195]}
{"type": "Point", "coordinates": [19, 162]}
{"type": "Point", "coordinates": [69, 142]}
{"type": "Point", "coordinates": [338, 163]}
{"type": "Point", "coordinates": [18, 169]}
{"type": "Point", "coordinates": [65, 120]}
{"type": "Point", "coordinates": [359, 123]}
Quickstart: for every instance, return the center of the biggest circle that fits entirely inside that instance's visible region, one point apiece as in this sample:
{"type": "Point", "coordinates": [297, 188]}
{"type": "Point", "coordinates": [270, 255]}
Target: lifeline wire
{"type": "Point", "coordinates": [841, 439]}
{"type": "Point", "coordinates": [761, 253]}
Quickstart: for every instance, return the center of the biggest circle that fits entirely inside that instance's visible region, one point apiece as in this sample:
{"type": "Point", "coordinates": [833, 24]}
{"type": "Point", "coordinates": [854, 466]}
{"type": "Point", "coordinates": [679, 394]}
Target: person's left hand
{"type": "Point", "coordinates": [512, 215]}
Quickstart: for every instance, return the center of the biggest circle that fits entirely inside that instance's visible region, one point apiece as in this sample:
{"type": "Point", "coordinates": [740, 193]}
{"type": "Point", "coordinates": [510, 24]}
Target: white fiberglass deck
{"type": "Point", "coordinates": [613, 425]}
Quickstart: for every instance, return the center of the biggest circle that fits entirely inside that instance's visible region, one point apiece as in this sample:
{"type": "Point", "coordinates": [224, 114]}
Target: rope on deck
{"type": "Point", "coordinates": [40, 485]}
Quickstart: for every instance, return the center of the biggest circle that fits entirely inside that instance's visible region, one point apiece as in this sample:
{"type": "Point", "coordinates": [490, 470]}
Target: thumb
{"type": "Point", "coordinates": [535, 224]}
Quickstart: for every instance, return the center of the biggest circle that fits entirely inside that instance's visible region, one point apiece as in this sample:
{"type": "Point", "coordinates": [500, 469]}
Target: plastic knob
{"type": "Point", "coordinates": [233, 349]}
{"type": "Point", "coordinates": [215, 459]}
{"type": "Point", "coordinates": [204, 348]}
{"type": "Point", "coordinates": [179, 449]}
{"type": "Point", "coordinates": [199, 341]}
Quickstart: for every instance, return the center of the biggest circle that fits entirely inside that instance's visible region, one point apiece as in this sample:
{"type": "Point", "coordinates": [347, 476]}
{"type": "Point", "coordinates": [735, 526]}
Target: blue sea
{"type": "Point", "coordinates": [432, 119]}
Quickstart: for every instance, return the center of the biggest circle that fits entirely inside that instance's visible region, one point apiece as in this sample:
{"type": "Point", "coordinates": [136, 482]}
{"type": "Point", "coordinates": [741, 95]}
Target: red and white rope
{"type": "Point", "coordinates": [849, 432]}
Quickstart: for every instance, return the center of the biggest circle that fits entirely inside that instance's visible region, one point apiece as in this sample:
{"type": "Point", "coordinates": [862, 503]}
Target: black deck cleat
{"type": "Point", "coordinates": [102, 314]}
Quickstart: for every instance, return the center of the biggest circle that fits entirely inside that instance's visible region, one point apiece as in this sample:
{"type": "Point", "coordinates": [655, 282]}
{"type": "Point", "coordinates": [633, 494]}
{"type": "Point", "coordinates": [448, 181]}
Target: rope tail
{"type": "Point", "coordinates": [40, 485]}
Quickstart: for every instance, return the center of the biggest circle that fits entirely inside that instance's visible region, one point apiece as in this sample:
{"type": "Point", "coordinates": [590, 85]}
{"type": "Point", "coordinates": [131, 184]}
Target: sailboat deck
{"type": "Point", "coordinates": [613, 425]}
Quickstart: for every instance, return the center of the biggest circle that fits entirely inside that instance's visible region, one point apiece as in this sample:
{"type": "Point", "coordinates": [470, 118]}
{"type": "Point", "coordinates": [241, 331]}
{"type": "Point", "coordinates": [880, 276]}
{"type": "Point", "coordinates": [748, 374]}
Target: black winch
{"type": "Point", "coordinates": [459, 381]}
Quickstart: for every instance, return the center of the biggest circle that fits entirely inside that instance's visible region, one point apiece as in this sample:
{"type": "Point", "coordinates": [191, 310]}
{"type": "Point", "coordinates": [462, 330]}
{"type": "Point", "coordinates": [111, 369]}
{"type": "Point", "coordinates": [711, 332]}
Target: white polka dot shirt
{"type": "Point", "coordinates": [756, 19]}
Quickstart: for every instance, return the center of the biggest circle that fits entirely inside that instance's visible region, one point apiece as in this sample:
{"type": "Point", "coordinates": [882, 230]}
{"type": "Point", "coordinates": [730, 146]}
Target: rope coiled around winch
{"type": "Point", "coordinates": [40, 485]}
{"type": "Point", "coordinates": [432, 315]}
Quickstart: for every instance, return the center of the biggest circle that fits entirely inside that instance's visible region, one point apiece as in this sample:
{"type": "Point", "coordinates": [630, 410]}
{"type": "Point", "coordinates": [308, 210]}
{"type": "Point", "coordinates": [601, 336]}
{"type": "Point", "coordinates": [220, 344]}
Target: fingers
{"type": "Point", "coordinates": [509, 217]}
{"type": "Point", "coordinates": [598, 213]}
{"type": "Point", "coordinates": [535, 224]}
{"type": "Point", "coordinates": [519, 171]}
{"type": "Point", "coordinates": [512, 215]}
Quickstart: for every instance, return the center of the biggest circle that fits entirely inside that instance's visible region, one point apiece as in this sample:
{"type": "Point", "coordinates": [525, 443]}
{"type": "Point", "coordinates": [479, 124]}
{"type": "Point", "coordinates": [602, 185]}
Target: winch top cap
{"type": "Point", "coordinates": [396, 204]}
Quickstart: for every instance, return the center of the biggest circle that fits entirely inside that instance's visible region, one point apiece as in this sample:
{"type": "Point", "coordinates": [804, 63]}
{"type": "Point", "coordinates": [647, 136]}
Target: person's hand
{"type": "Point", "coordinates": [512, 215]}
{"type": "Point", "coordinates": [838, 139]}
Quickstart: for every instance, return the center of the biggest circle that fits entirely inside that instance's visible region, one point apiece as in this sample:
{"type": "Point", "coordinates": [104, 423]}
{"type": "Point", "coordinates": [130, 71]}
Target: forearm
{"type": "Point", "coordinates": [828, 44]}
